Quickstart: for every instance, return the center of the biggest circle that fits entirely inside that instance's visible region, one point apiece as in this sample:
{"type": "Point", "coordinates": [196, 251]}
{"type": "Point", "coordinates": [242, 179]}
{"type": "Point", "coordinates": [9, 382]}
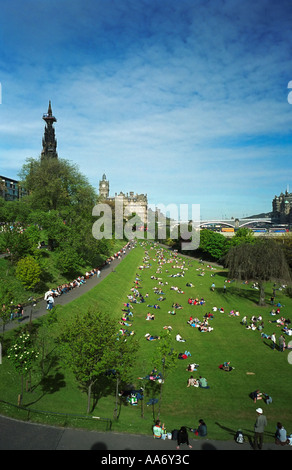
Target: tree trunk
{"type": "Point", "coordinates": [262, 294]}
{"type": "Point", "coordinates": [21, 394]}
{"type": "Point", "coordinates": [117, 395]}
{"type": "Point", "coordinates": [89, 397]}
{"type": "Point", "coordinates": [161, 385]}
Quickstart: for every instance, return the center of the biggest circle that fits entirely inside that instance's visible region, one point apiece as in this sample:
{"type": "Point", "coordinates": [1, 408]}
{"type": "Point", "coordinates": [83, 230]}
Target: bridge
{"type": "Point", "coordinates": [259, 226]}
{"type": "Point", "coordinates": [237, 223]}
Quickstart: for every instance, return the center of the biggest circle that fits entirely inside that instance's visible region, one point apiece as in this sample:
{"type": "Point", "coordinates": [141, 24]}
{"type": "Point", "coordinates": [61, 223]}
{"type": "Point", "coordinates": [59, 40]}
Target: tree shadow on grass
{"type": "Point", "coordinates": [49, 384]}
{"type": "Point", "coordinates": [247, 294]}
{"type": "Point", "coordinates": [103, 387]}
{"type": "Point", "coordinates": [232, 432]}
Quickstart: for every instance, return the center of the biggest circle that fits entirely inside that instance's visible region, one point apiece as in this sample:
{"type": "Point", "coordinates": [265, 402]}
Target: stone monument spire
{"type": "Point", "coordinates": [49, 140]}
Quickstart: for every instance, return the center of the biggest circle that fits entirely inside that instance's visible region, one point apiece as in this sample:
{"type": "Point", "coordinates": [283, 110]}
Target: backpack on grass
{"type": "Point", "coordinates": [239, 438]}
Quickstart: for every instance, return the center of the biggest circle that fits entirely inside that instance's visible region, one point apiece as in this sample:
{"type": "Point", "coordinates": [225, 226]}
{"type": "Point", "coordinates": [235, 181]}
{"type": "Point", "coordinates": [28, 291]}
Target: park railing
{"type": "Point", "coordinates": [68, 416]}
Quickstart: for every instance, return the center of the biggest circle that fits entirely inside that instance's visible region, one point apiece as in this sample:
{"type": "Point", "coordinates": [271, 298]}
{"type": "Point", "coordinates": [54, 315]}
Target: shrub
{"type": "Point", "coordinates": [28, 271]}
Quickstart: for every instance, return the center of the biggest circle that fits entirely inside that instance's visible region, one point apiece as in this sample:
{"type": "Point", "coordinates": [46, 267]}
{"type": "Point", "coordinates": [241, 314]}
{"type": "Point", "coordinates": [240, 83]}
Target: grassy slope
{"type": "Point", "coordinates": [52, 277]}
{"type": "Point", "coordinates": [226, 406]}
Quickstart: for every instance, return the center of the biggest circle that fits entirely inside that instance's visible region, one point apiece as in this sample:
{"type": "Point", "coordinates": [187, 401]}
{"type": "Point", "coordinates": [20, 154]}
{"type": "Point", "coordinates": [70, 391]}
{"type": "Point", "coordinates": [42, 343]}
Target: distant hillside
{"type": "Point", "coordinates": [260, 216]}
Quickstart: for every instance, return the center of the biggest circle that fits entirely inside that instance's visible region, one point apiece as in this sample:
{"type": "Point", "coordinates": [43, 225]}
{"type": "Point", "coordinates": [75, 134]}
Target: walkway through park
{"type": "Point", "coordinates": [41, 307]}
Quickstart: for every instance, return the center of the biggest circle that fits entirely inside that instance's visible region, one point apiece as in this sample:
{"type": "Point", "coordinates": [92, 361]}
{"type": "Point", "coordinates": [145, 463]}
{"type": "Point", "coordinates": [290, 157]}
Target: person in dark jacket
{"type": "Point", "coordinates": [201, 429]}
{"type": "Point", "coordinates": [183, 437]}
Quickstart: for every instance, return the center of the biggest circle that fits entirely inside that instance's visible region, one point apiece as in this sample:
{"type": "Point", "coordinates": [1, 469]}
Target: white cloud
{"type": "Point", "coordinates": [182, 102]}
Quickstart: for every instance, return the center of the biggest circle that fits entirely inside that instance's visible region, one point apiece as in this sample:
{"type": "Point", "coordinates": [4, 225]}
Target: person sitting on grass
{"type": "Point", "coordinates": [192, 382]}
{"type": "Point", "coordinates": [158, 429]}
{"type": "Point", "coordinates": [267, 398]}
{"type": "Point", "coordinates": [195, 323]}
{"type": "Point", "coordinates": [280, 435]}
{"type": "Point", "coordinates": [150, 316]}
{"type": "Point", "coordinates": [203, 382]}
{"type": "Point", "coordinates": [201, 430]}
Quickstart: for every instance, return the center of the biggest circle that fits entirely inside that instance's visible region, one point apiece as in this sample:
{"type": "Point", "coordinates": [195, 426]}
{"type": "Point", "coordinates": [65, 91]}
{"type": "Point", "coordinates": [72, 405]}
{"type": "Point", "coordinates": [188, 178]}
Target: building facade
{"type": "Point", "coordinates": [135, 203]}
{"type": "Point", "coordinates": [282, 208]}
{"type": "Point", "coordinates": [11, 189]}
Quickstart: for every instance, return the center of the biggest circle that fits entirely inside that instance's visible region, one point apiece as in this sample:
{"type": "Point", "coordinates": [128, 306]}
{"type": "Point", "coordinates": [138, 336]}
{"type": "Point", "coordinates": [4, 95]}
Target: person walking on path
{"type": "Point", "coordinates": [273, 339]}
{"type": "Point", "coordinates": [260, 424]}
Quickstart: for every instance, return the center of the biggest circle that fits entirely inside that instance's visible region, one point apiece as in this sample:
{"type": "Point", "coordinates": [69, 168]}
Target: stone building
{"type": "Point", "coordinates": [282, 208]}
{"type": "Point", "coordinates": [135, 203]}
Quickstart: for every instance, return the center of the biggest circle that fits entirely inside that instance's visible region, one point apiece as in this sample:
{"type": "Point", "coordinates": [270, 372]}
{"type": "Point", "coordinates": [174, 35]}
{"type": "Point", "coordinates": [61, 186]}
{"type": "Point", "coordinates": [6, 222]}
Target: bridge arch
{"type": "Point", "coordinates": [216, 222]}
{"type": "Point", "coordinates": [255, 221]}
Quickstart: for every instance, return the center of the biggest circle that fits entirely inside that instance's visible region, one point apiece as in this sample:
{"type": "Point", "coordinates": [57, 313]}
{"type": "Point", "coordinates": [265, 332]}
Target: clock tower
{"type": "Point", "coordinates": [104, 187]}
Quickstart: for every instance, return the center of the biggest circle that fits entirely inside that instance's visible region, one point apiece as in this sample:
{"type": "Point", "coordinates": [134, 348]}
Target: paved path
{"type": "Point", "coordinates": [19, 435]}
{"type": "Point", "coordinates": [41, 306]}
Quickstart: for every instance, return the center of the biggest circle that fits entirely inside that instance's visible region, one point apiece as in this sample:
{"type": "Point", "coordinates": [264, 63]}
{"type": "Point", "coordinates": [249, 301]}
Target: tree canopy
{"type": "Point", "coordinates": [260, 262]}
{"type": "Point", "coordinates": [56, 184]}
{"type": "Point", "coordinates": [91, 347]}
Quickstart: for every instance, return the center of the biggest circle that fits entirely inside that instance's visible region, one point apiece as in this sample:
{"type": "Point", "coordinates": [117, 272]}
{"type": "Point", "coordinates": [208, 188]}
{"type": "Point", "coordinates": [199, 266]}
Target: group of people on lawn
{"type": "Point", "coordinates": [203, 325]}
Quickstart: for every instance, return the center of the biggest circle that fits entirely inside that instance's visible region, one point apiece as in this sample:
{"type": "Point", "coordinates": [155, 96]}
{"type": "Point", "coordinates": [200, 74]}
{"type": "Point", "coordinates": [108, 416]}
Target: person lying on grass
{"type": "Point", "coordinates": [256, 395]}
{"type": "Point", "coordinates": [151, 338]}
{"type": "Point", "coordinates": [179, 338]}
{"type": "Point", "coordinates": [226, 366]}
{"type": "Point", "coordinates": [192, 367]}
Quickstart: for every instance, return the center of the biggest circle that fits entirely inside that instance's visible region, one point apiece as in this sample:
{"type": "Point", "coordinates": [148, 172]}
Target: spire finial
{"type": "Point", "coordinates": [50, 109]}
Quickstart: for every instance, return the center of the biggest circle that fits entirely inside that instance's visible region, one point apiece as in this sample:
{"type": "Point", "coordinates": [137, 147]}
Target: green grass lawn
{"type": "Point", "coordinates": [226, 405]}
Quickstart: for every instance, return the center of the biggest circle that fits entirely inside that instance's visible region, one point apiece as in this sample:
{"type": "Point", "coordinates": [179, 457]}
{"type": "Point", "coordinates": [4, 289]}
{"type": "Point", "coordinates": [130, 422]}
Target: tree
{"type": "Point", "coordinates": [213, 244]}
{"type": "Point", "coordinates": [166, 356]}
{"type": "Point", "coordinates": [285, 240]}
{"type": "Point", "coordinates": [16, 242]}
{"type": "Point", "coordinates": [28, 271]}
{"type": "Point", "coordinates": [123, 370]}
{"type": "Point", "coordinates": [67, 259]}
{"type": "Point", "coordinates": [90, 346]}
{"type": "Point", "coordinates": [23, 355]}
{"type": "Point", "coordinates": [6, 297]}
{"type": "Point", "coordinates": [54, 184]}
{"type": "Point", "coordinates": [261, 262]}
{"type": "Point", "coordinates": [243, 235]}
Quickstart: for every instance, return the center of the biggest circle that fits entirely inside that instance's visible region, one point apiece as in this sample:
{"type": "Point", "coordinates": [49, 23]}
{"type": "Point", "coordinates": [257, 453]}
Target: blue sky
{"type": "Point", "coordinates": [183, 100]}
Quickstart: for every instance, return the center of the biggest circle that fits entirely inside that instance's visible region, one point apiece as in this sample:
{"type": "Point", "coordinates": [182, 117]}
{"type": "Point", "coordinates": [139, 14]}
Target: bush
{"type": "Point", "coordinates": [28, 271]}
